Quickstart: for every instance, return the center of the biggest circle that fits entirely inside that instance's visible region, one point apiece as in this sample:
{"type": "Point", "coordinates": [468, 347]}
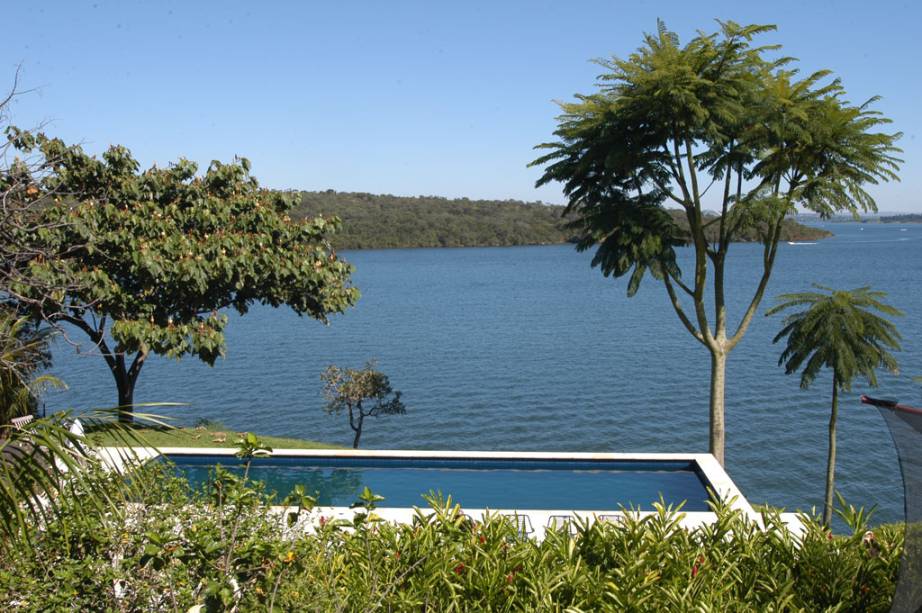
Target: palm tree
{"type": "Point", "coordinates": [839, 330]}
{"type": "Point", "coordinates": [43, 464]}
{"type": "Point", "coordinates": [23, 352]}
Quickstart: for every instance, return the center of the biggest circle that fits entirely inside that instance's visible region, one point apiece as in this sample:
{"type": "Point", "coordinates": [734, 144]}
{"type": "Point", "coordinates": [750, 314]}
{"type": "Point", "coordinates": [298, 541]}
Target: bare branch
{"type": "Point", "coordinates": [768, 262]}
{"type": "Point", "coordinates": [677, 306]}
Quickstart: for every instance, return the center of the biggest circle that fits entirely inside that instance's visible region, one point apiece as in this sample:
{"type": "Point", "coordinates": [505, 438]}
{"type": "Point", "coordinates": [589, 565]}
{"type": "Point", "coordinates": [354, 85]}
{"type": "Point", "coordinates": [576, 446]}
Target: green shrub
{"type": "Point", "coordinates": [220, 548]}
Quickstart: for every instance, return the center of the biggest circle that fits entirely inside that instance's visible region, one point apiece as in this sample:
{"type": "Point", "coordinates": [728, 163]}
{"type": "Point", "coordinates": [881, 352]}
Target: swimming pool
{"type": "Point", "coordinates": [572, 482]}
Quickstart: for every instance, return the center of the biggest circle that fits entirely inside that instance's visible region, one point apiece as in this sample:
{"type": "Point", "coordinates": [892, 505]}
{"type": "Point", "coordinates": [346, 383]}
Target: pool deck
{"type": "Point", "coordinates": [533, 522]}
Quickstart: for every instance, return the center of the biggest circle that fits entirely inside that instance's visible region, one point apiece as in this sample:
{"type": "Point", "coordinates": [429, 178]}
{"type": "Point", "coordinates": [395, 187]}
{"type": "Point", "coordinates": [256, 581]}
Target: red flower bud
{"type": "Point", "coordinates": [699, 561]}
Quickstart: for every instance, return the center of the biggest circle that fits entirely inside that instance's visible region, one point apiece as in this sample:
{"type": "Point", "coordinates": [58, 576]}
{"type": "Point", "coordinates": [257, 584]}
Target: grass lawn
{"type": "Point", "coordinates": [202, 436]}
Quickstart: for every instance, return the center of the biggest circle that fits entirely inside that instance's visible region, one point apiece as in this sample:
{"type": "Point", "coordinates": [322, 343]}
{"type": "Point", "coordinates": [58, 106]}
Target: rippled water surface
{"type": "Point", "coordinates": [528, 348]}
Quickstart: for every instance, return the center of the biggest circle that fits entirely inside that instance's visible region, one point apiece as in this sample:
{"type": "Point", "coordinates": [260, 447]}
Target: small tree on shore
{"type": "Point", "coordinates": [362, 393]}
{"type": "Point", "coordinates": [837, 330]}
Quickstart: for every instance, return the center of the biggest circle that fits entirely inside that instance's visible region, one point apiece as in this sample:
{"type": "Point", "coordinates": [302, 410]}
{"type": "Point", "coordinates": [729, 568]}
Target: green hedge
{"type": "Point", "coordinates": [220, 548]}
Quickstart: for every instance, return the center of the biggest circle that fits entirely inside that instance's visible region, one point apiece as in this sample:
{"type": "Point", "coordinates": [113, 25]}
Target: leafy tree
{"type": "Point", "coordinates": [838, 330]}
{"type": "Point", "coordinates": [23, 343]}
{"type": "Point", "coordinates": [671, 122]}
{"type": "Point", "coordinates": [143, 262]}
{"type": "Point", "coordinates": [362, 393]}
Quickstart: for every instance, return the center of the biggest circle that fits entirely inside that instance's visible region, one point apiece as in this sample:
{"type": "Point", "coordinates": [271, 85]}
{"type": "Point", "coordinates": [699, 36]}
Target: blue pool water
{"type": "Point", "coordinates": [474, 483]}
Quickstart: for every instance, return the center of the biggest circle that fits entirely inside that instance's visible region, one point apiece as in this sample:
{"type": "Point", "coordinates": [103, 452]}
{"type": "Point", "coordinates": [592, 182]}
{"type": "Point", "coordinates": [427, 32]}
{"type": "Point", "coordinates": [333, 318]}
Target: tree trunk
{"type": "Point", "coordinates": [831, 461]}
{"type": "Point", "coordinates": [717, 405]}
{"type": "Point", "coordinates": [125, 379]}
{"type": "Point", "coordinates": [358, 435]}
{"type": "Point", "coordinates": [356, 423]}
{"type": "Point", "coordinates": [125, 397]}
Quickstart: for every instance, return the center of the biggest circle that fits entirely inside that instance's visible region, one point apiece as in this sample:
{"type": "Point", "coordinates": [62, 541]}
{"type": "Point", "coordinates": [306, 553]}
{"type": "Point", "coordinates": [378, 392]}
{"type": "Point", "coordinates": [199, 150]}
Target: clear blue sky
{"type": "Point", "coordinates": [398, 97]}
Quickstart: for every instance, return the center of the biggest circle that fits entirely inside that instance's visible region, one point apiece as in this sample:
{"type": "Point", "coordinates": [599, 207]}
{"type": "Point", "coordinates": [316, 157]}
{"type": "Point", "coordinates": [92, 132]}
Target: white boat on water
{"type": "Point", "coordinates": [799, 243]}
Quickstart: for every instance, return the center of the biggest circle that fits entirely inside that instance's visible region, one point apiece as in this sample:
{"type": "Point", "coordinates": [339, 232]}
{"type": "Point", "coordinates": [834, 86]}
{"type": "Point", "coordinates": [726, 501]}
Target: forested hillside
{"type": "Point", "coordinates": [372, 221]}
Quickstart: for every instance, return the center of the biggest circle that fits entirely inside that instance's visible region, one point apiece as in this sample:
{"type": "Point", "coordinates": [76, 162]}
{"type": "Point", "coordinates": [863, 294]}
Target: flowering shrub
{"type": "Point", "coordinates": [223, 549]}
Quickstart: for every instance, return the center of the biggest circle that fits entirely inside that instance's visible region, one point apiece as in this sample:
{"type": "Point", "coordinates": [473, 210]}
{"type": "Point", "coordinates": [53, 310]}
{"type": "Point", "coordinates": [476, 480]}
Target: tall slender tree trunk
{"type": "Point", "coordinates": [831, 460]}
{"type": "Point", "coordinates": [717, 404]}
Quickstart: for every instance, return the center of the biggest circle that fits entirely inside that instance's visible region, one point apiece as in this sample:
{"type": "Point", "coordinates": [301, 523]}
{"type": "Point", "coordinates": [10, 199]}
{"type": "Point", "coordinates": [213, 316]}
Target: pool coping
{"type": "Point", "coordinates": [710, 469]}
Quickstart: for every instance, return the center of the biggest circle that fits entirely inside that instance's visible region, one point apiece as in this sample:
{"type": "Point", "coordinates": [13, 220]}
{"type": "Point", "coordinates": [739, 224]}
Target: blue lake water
{"type": "Point", "coordinates": [494, 484]}
{"type": "Point", "coordinates": [528, 348]}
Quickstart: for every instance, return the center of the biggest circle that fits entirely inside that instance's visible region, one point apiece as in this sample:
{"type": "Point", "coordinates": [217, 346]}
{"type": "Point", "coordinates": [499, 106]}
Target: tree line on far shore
{"type": "Point", "coordinates": [908, 218]}
{"type": "Point", "coordinates": [383, 221]}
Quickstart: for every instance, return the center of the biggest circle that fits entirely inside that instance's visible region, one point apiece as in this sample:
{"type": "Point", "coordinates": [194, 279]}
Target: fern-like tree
{"type": "Point", "coordinates": [839, 330]}
{"type": "Point", "coordinates": [715, 124]}
{"type": "Point", "coordinates": [361, 393]}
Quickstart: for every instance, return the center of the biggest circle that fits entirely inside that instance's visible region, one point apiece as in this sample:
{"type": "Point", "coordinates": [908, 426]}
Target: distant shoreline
{"type": "Point", "coordinates": [373, 221]}
{"type": "Point", "coordinates": [908, 218]}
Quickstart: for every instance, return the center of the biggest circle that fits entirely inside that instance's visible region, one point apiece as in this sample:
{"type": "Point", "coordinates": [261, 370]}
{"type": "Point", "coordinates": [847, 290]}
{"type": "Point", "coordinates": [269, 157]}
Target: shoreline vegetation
{"type": "Point", "coordinates": [907, 218]}
{"type": "Point", "coordinates": [211, 435]}
{"type": "Point", "coordinates": [384, 221]}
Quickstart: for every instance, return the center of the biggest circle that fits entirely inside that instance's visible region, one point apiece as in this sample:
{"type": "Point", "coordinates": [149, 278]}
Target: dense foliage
{"type": "Point", "coordinates": [373, 221]}
{"type": "Point", "coordinates": [718, 120]}
{"type": "Point", "coordinates": [382, 221]}
{"type": "Point", "coordinates": [148, 259]}
{"type": "Point", "coordinates": [222, 547]}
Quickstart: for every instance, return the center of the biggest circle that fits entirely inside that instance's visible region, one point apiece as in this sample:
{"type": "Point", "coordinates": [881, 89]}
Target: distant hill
{"type": "Point", "coordinates": [373, 221]}
{"type": "Point", "coordinates": [907, 218]}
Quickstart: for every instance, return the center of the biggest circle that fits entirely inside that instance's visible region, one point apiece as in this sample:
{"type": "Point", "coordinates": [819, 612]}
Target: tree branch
{"type": "Point", "coordinates": [768, 262]}
{"type": "Point", "coordinates": [684, 287]}
{"type": "Point", "coordinates": [669, 193]}
{"type": "Point", "coordinates": [352, 418]}
{"type": "Point", "coordinates": [92, 332]}
{"type": "Point", "coordinates": [722, 246]}
{"type": "Point", "coordinates": [136, 365]}
{"type": "Point", "coordinates": [677, 171]}
{"type": "Point", "coordinates": [677, 306]}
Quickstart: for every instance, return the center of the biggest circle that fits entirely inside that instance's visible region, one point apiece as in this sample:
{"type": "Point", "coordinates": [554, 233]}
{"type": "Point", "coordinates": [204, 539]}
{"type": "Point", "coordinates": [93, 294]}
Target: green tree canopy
{"type": "Point", "coordinates": [716, 123]}
{"type": "Point", "coordinates": [838, 330]}
{"type": "Point", "coordinates": [143, 262]}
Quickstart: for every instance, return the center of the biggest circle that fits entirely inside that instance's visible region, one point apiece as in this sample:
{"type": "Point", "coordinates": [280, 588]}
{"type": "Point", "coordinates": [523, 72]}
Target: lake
{"type": "Point", "coordinates": [528, 348]}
